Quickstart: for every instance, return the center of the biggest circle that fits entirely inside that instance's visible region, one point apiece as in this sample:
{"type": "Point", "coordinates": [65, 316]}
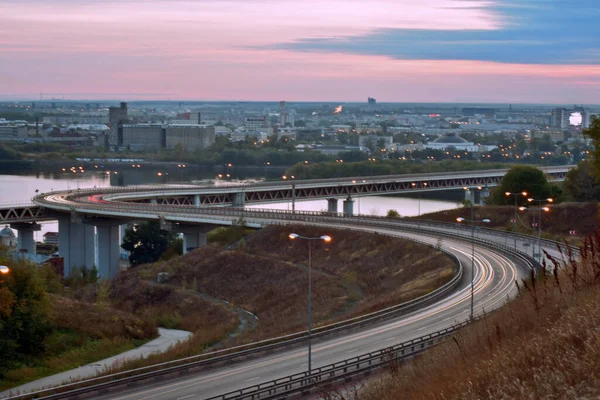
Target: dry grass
{"type": "Point", "coordinates": [267, 275]}
{"type": "Point", "coordinates": [556, 224]}
{"type": "Point", "coordinates": [544, 345]}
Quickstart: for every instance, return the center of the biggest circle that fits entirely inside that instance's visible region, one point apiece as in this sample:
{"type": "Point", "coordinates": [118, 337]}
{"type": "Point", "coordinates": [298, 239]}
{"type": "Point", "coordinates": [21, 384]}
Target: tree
{"type": "Point", "coordinates": [580, 183]}
{"type": "Point", "coordinates": [593, 132]}
{"type": "Point", "coordinates": [25, 312]}
{"type": "Point", "coordinates": [392, 214]}
{"type": "Point", "coordinates": [147, 242]}
{"type": "Point", "coordinates": [524, 179]}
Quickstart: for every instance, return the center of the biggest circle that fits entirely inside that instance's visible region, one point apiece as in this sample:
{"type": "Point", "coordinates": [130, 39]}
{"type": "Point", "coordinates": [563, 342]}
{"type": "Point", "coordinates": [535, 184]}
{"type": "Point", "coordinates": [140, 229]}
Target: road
{"type": "Point", "coordinates": [494, 283]}
{"type": "Point", "coordinates": [495, 275]}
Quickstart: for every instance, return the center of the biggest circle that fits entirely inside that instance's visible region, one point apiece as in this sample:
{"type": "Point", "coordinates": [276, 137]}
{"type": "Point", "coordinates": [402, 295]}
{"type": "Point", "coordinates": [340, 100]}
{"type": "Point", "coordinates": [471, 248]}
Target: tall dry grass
{"type": "Point", "coordinates": [544, 345]}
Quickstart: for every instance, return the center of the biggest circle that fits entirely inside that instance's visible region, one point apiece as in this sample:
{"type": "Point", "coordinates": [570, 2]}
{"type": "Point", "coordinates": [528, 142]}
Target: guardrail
{"type": "Point", "coordinates": [257, 347]}
{"type": "Point", "coordinates": [302, 382]}
{"type": "Point", "coordinates": [180, 366]}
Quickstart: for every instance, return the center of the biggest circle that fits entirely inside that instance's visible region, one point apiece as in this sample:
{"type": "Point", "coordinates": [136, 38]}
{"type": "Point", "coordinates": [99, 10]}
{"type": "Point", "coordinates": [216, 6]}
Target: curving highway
{"type": "Point", "coordinates": [495, 274]}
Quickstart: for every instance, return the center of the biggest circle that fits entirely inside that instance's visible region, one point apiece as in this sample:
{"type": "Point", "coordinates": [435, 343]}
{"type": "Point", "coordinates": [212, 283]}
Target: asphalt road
{"type": "Point", "coordinates": [494, 284]}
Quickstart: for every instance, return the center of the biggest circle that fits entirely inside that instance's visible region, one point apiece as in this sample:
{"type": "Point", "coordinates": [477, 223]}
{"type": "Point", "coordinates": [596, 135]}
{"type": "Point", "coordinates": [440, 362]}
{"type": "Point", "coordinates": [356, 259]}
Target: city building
{"type": "Point", "coordinates": [285, 117]}
{"type": "Point", "coordinates": [560, 118]}
{"type": "Point", "coordinates": [141, 137]}
{"type": "Point", "coordinates": [372, 102]}
{"type": "Point", "coordinates": [116, 117]}
{"type": "Point", "coordinates": [452, 140]}
{"type": "Point", "coordinates": [13, 132]}
{"type": "Point", "coordinates": [257, 123]}
{"type": "Point", "coordinates": [189, 137]}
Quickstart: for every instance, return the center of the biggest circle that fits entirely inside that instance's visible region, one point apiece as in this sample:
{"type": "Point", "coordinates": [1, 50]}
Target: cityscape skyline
{"type": "Point", "coordinates": [442, 51]}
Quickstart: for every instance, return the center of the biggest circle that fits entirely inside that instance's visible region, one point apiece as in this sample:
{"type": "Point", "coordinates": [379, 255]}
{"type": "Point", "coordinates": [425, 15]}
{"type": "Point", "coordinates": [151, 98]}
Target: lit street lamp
{"type": "Point", "coordinates": [516, 216]}
{"type": "Point", "coordinates": [541, 210]}
{"type": "Point", "coordinates": [473, 222]}
{"type": "Point", "coordinates": [4, 270]}
{"type": "Point", "coordinates": [327, 239]}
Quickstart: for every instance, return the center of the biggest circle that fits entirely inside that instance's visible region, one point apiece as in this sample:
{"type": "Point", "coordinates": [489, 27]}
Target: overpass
{"type": "Point", "coordinates": [194, 210]}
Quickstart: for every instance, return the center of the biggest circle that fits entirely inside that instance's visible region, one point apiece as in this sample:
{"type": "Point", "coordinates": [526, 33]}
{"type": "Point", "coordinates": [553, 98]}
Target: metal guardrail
{"type": "Point", "coordinates": [301, 382]}
{"type": "Point", "coordinates": [303, 217]}
{"type": "Point", "coordinates": [171, 367]}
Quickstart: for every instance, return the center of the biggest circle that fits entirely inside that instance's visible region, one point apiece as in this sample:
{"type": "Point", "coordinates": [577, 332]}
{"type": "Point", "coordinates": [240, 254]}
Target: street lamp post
{"type": "Point", "coordinates": [516, 195]}
{"type": "Point", "coordinates": [4, 270]}
{"type": "Point", "coordinates": [473, 222]}
{"type": "Point", "coordinates": [540, 210]}
{"type": "Point", "coordinates": [327, 239]}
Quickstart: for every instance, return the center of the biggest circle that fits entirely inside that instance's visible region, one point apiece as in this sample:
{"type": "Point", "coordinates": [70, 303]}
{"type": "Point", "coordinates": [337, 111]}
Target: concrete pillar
{"type": "Point", "coordinates": [76, 245]}
{"type": "Point", "coordinates": [197, 202]}
{"type": "Point", "coordinates": [108, 250]}
{"type": "Point", "coordinates": [153, 201]}
{"type": "Point", "coordinates": [332, 205]}
{"type": "Point", "coordinates": [470, 195]}
{"type": "Point", "coordinates": [484, 194]}
{"type": "Point", "coordinates": [194, 236]}
{"type": "Point", "coordinates": [25, 240]}
{"type": "Point", "coordinates": [349, 207]}
{"type": "Point", "coordinates": [238, 200]}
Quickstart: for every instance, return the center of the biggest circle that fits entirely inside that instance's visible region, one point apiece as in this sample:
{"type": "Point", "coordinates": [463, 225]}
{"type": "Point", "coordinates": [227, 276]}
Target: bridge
{"type": "Point", "coordinates": [497, 267]}
{"type": "Point", "coordinates": [194, 210]}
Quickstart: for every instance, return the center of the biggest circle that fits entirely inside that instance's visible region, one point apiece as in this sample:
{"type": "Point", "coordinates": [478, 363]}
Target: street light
{"type": "Point", "coordinates": [541, 210]}
{"type": "Point", "coordinates": [516, 215]}
{"type": "Point", "coordinates": [4, 269]}
{"type": "Point", "coordinates": [327, 239]}
{"type": "Point", "coordinates": [473, 222]}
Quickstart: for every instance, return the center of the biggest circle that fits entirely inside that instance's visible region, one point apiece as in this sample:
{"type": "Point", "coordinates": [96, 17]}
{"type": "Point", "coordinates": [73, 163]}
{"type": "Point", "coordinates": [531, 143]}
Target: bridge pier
{"type": "Point", "coordinates": [108, 248]}
{"type": "Point", "coordinates": [76, 245]}
{"type": "Point", "coordinates": [194, 236]}
{"type": "Point", "coordinates": [238, 200]}
{"type": "Point", "coordinates": [349, 207]}
{"type": "Point", "coordinates": [197, 201]}
{"type": "Point", "coordinates": [332, 205]}
{"type": "Point", "coordinates": [470, 195]}
{"type": "Point", "coordinates": [25, 240]}
{"type": "Point", "coordinates": [483, 194]}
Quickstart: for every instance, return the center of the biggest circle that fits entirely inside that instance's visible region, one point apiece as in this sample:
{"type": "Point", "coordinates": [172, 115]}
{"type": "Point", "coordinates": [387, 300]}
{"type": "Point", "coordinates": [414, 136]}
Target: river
{"type": "Point", "coordinates": [20, 187]}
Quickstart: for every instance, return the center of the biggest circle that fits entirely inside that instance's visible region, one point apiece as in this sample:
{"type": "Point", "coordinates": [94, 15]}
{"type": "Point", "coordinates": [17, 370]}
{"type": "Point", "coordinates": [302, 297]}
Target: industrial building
{"type": "Point", "coordinates": [13, 132]}
{"type": "Point", "coordinates": [152, 137]}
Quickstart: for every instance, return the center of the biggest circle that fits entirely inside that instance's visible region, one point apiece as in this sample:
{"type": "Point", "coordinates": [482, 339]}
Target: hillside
{"type": "Point", "coordinates": [558, 223]}
{"type": "Point", "coordinates": [267, 275]}
{"type": "Point", "coordinates": [544, 345]}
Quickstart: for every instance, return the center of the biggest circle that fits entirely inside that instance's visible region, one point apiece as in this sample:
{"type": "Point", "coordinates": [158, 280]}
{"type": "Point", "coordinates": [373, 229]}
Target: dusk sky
{"type": "Point", "coordinates": [517, 51]}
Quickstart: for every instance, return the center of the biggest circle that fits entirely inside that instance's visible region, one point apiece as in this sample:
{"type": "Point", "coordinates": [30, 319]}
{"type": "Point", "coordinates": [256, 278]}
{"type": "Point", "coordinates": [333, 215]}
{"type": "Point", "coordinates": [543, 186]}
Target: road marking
{"type": "Point", "coordinates": [186, 397]}
{"type": "Point", "coordinates": [252, 379]}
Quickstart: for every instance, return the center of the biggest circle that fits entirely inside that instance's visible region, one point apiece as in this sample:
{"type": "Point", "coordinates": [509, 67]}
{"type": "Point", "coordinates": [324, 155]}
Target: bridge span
{"type": "Point", "coordinates": [89, 219]}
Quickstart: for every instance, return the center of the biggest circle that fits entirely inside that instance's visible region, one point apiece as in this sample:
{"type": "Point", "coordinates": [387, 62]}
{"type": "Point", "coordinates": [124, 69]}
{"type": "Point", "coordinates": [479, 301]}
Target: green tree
{"type": "Point", "coordinates": [580, 183]}
{"type": "Point", "coordinates": [524, 179]}
{"type": "Point", "coordinates": [25, 311]}
{"type": "Point", "coordinates": [593, 132]}
{"type": "Point", "coordinates": [147, 242]}
{"type": "Point", "coordinates": [393, 214]}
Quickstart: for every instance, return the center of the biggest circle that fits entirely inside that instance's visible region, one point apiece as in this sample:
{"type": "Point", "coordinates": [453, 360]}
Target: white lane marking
{"type": "Point", "coordinates": [186, 397]}
{"type": "Point", "coordinates": [252, 379]}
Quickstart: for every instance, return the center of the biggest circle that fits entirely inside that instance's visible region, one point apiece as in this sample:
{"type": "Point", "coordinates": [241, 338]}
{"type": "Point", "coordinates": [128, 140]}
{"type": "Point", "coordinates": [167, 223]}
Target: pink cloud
{"type": "Point", "coordinates": [209, 50]}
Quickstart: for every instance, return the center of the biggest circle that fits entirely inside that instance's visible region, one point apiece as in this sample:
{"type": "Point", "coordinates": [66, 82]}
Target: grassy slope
{"type": "Point", "coordinates": [544, 345]}
{"type": "Point", "coordinates": [83, 333]}
{"type": "Point", "coordinates": [354, 274]}
{"type": "Point", "coordinates": [556, 224]}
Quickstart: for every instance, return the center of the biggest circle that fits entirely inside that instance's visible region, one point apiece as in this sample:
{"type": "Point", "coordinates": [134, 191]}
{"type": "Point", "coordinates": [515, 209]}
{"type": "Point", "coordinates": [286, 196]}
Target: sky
{"type": "Point", "coordinates": [492, 51]}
